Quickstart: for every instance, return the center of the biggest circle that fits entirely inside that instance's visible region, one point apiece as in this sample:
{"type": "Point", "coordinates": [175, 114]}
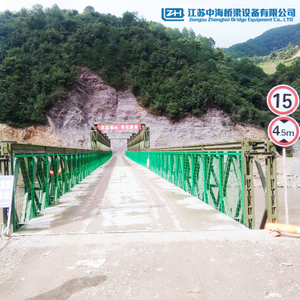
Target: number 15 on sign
{"type": "Point", "coordinates": [283, 100]}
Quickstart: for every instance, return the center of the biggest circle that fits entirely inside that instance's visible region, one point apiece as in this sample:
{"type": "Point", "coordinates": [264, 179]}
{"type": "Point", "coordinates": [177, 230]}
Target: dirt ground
{"type": "Point", "coordinates": [153, 265]}
{"type": "Point", "coordinates": [126, 233]}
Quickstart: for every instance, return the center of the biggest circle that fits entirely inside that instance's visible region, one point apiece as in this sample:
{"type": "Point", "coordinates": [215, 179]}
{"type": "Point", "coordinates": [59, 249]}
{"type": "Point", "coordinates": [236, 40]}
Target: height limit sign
{"type": "Point", "coordinates": [284, 131]}
{"type": "Point", "coordinates": [283, 100]}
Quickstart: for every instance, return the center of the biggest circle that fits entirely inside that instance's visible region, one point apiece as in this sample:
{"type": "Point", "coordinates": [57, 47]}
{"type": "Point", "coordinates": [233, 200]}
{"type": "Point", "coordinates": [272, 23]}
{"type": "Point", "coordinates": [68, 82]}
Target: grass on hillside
{"type": "Point", "coordinates": [269, 67]}
{"type": "Point", "coordinates": [269, 63]}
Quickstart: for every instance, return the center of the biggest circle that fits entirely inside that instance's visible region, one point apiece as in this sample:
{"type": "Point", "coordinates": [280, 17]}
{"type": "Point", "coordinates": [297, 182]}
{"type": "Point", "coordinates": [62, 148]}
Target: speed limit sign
{"type": "Point", "coordinates": [283, 100]}
{"type": "Point", "coordinates": [284, 131]}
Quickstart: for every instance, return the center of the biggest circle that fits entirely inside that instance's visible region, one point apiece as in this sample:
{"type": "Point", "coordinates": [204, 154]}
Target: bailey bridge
{"type": "Point", "coordinates": [100, 226]}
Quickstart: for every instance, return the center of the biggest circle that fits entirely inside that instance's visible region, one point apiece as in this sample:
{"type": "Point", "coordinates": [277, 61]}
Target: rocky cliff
{"type": "Point", "coordinates": [94, 101]}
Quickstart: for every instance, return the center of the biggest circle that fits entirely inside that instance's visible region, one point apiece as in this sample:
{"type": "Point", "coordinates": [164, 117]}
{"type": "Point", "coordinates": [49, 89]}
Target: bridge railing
{"type": "Point", "coordinates": [42, 174]}
{"type": "Point", "coordinates": [220, 175]}
{"type": "Point", "coordinates": [214, 178]}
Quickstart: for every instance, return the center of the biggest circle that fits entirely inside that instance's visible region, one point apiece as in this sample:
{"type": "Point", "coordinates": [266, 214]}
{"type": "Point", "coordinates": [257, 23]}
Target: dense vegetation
{"type": "Point", "coordinates": [171, 72]}
{"type": "Point", "coordinates": [270, 41]}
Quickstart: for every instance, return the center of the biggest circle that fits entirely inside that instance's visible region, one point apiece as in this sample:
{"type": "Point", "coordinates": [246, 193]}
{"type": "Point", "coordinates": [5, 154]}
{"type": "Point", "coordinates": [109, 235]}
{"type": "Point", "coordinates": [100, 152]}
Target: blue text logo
{"type": "Point", "coordinates": [172, 14]}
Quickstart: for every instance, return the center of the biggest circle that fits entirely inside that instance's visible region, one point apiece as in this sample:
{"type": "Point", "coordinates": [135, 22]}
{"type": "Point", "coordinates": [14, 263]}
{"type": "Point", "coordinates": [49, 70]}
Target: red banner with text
{"type": "Point", "coordinates": [118, 127]}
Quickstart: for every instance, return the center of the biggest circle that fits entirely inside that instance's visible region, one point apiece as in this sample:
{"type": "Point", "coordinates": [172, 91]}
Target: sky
{"type": "Point", "coordinates": [224, 33]}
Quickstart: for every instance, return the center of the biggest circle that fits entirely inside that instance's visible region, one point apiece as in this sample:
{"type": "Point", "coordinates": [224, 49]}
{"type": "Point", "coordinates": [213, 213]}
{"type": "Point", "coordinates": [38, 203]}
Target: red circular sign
{"type": "Point", "coordinates": [283, 100]}
{"type": "Point", "coordinates": [284, 131]}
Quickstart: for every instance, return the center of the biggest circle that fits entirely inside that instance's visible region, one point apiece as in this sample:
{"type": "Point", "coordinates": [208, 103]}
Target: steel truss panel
{"type": "Point", "coordinates": [219, 174]}
{"type": "Point", "coordinates": [139, 141]}
{"type": "Point", "coordinates": [43, 174]}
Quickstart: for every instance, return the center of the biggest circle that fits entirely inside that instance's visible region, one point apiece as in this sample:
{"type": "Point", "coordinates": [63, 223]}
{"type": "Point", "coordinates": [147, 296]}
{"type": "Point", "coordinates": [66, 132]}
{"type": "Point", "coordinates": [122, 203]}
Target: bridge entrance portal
{"type": "Point", "coordinates": [121, 136]}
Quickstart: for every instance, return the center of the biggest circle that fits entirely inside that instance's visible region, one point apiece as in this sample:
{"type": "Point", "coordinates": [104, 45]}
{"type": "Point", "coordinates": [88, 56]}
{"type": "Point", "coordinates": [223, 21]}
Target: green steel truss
{"type": "Point", "coordinates": [214, 178]}
{"type": "Point", "coordinates": [220, 175]}
{"type": "Point", "coordinates": [140, 141]}
{"type": "Point", "coordinates": [42, 177]}
{"type": "Point", "coordinates": [99, 140]}
{"type": "Point", "coordinates": [137, 142]}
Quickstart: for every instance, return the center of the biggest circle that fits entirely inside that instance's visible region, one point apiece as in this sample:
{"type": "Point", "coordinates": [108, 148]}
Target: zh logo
{"type": "Point", "coordinates": [172, 14]}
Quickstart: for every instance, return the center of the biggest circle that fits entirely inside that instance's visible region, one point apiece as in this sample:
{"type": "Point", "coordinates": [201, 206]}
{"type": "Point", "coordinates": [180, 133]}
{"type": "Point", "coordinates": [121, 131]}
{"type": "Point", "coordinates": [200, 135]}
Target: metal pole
{"type": "Point", "coordinates": [285, 187]}
{"type": "Point", "coordinates": [182, 169]}
{"type": "Point", "coordinates": [204, 177]}
{"type": "Point", "coordinates": [221, 181]}
{"type": "Point", "coordinates": [192, 174]}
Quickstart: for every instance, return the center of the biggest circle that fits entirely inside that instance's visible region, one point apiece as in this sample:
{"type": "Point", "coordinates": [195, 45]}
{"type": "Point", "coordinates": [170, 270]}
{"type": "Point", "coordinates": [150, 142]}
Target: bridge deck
{"type": "Point", "coordinates": [124, 233]}
{"type": "Point", "coordinates": [122, 196]}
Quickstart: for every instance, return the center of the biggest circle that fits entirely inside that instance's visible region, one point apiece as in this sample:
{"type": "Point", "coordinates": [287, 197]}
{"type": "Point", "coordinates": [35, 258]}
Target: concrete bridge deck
{"type": "Point", "coordinates": [126, 233]}
{"type": "Point", "coordinates": [123, 196]}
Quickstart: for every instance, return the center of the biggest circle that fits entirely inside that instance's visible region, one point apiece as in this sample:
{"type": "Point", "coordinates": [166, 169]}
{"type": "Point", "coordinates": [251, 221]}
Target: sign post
{"type": "Point", "coordinates": [285, 187]}
{"type": "Point", "coordinates": [284, 131]}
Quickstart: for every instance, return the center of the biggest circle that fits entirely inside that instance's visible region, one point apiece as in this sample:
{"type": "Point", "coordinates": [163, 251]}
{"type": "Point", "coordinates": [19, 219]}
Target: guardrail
{"type": "Point", "coordinates": [43, 174]}
{"type": "Point", "coordinates": [219, 174]}
{"type": "Point", "coordinates": [214, 178]}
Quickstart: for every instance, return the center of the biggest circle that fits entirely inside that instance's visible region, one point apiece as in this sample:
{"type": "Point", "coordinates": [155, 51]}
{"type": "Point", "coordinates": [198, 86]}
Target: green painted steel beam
{"type": "Point", "coordinates": [219, 174]}
{"type": "Point", "coordinates": [201, 174]}
{"type": "Point", "coordinates": [42, 177]}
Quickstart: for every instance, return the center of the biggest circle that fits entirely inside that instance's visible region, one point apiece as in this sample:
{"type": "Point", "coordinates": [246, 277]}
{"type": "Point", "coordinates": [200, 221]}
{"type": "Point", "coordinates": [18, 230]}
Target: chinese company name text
{"type": "Point", "coordinates": [230, 14]}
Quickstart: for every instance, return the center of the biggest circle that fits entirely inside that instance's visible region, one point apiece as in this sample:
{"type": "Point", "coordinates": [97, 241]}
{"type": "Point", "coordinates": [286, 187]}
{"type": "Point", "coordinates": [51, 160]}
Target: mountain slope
{"type": "Point", "coordinates": [270, 41]}
{"type": "Point", "coordinates": [270, 62]}
{"type": "Point", "coordinates": [91, 100]}
{"type": "Point", "coordinates": [172, 73]}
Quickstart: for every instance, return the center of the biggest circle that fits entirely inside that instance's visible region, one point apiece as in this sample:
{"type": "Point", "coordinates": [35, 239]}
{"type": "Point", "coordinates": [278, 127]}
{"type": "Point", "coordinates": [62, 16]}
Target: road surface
{"type": "Point", "coordinates": [126, 233]}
